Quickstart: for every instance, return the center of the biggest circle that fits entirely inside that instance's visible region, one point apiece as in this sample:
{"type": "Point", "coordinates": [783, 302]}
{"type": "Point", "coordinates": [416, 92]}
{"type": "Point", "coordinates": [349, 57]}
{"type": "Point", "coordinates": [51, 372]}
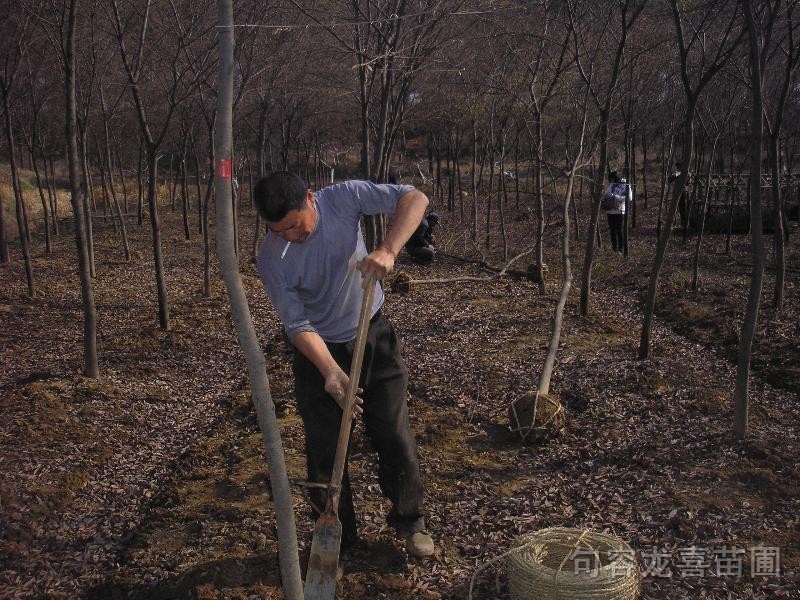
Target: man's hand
{"type": "Point", "coordinates": [380, 263]}
{"type": "Point", "coordinates": [336, 386]}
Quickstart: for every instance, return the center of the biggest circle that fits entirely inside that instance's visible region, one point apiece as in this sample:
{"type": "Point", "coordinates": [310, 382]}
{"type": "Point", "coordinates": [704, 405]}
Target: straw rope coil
{"type": "Point", "coordinates": [542, 566]}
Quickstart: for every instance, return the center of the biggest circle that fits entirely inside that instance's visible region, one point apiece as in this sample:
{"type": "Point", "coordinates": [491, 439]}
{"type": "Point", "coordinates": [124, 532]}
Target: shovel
{"type": "Point", "coordinates": [324, 558]}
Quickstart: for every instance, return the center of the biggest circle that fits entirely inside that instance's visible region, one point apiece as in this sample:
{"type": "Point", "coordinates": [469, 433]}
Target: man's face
{"type": "Point", "coordinates": [297, 225]}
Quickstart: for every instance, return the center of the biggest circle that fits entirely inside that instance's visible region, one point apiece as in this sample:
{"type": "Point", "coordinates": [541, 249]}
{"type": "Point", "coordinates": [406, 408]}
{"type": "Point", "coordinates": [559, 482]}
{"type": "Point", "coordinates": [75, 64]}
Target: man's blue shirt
{"type": "Point", "coordinates": [316, 286]}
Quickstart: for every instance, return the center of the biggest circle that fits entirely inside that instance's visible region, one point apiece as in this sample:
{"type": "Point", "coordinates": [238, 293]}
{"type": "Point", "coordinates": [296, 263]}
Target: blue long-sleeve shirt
{"type": "Point", "coordinates": [316, 286]}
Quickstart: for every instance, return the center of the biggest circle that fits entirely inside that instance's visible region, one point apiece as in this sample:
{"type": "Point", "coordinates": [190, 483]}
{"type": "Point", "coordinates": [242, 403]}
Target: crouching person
{"type": "Point", "coordinates": [421, 245]}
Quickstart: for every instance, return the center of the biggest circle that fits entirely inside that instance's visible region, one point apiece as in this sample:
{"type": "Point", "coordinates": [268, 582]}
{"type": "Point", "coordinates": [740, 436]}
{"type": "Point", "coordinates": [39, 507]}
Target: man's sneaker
{"type": "Point", "coordinates": [419, 544]}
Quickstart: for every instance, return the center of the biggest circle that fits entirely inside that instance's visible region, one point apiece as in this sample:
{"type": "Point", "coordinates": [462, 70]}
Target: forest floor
{"type": "Point", "coordinates": [151, 482]}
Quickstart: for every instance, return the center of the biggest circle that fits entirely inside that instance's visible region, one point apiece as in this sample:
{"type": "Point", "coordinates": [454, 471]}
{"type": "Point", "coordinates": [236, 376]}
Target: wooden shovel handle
{"type": "Point", "coordinates": [352, 386]}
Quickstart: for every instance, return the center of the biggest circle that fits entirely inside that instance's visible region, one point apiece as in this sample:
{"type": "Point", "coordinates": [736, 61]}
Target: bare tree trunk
{"type": "Point", "coordinates": [206, 203]}
{"type": "Point", "coordinates": [88, 206]}
{"type": "Point", "coordinates": [708, 72]}
{"type": "Point", "coordinates": [90, 364]}
{"type": "Point", "coordinates": [197, 183]}
{"type": "Point", "coordinates": [5, 255]}
{"type": "Point", "coordinates": [474, 228]}
{"type": "Point", "coordinates": [251, 183]}
{"type": "Point", "coordinates": [597, 190]}
{"type": "Point", "coordinates": [259, 383]}
{"type": "Point", "coordinates": [665, 168]}
{"type": "Point", "coordinates": [779, 240]}
{"type": "Point", "coordinates": [538, 186]}
{"type": "Point", "coordinates": [122, 178]}
{"type": "Point", "coordinates": [488, 237]}
{"type": "Point", "coordinates": [110, 171]}
{"type": "Point", "coordinates": [235, 207]}
{"type": "Point", "coordinates": [501, 199]}
{"type": "Point", "coordinates": [185, 187]}
{"type": "Point", "coordinates": [158, 260]}
{"type": "Point", "coordinates": [516, 171]}
{"type": "Point", "coordinates": [459, 184]}
{"type": "Point", "coordinates": [22, 225]}
{"type": "Point", "coordinates": [741, 393]}
{"type": "Point", "coordinates": [173, 184]}
{"type": "Point", "coordinates": [140, 187]}
{"type": "Point", "coordinates": [644, 167]}
{"type": "Point", "coordinates": [104, 190]}
{"type": "Point", "coordinates": [663, 239]}
{"type": "Point", "coordinates": [39, 186]}
{"type": "Point", "coordinates": [702, 219]}
{"type": "Point", "coordinates": [52, 193]}
{"type": "Point", "coordinates": [566, 283]}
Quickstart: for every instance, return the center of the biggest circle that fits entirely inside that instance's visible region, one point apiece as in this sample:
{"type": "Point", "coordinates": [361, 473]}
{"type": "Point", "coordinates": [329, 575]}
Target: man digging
{"type": "Point", "coordinates": [311, 264]}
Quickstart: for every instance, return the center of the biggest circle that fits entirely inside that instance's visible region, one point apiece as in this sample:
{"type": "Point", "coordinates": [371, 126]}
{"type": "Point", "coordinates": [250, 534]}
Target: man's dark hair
{"type": "Point", "coordinates": [277, 194]}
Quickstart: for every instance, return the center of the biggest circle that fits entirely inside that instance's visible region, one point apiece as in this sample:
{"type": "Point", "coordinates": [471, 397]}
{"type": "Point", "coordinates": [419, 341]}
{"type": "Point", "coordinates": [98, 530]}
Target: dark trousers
{"type": "Point", "coordinates": [615, 223]}
{"type": "Point", "coordinates": [384, 378]}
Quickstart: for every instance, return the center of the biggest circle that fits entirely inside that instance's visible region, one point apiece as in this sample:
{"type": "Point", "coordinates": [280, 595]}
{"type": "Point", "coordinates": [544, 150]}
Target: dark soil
{"type": "Point", "coordinates": [151, 482]}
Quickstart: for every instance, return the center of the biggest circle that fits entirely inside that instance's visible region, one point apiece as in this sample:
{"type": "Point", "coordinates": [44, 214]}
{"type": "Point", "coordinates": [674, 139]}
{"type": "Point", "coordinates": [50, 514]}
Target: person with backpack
{"type": "Point", "coordinates": [613, 202]}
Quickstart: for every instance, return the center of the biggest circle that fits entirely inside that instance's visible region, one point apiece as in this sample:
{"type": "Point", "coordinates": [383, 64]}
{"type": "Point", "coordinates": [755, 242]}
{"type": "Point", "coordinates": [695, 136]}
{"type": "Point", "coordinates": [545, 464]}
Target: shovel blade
{"type": "Point", "coordinates": [324, 558]}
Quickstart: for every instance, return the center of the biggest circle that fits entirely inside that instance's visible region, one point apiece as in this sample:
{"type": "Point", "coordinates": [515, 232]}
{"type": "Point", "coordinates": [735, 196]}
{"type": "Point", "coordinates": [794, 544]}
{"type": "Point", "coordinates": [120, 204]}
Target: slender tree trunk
{"type": "Point", "coordinates": [45, 210]}
{"type": "Point", "coordinates": [566, 283]}
{"type": "Point", "coordinates": [185, 188]}
{"type": "Point", "coordinates": [52, 193]}
{"type": "Point", "coordinates": [22, 225]}
{"type": "Point", "coordinates": [747, 335]}
{"type": "Point", "coordinates": [516, 172]}
{"type": "Point", "coordinates": [459, 184]}
{"type": "Point", "coordinates": [663, 239]}
{"type": "Point", "coordinates": [779, 239]}
{"type": "Point", "coordinates": [235, 207]}
{"type": "Point", "coordinates": [173, 184]}
{"type": "Point", "coordinates": [5, 255]}
{"type": "Point", "coordinates": [122, 179]}
{"type": "Point", "coordinates": [23, 204]}
{"type": "Point", "coordinates": [690, 206]}
{"type": "Point", "coordinates": [90, 363]}
{"type": "Point", "coordinates": [259, 383]}
{"type": "Point", "coordinates": [140, 187]}
{"type": "Point", "coordinates": [104, 191]}
{"type": "Point", "coordinates": [474, 219]}
{"type": "Point", "coordinates": [87, 182]}
{"type": "Point", "coordinates": [488, 238]}
{"type": "Point", "coordinates": [597, 190]}
{"type": "Point", "coordinates": [105, 163]}
{"type": "Point", "coordinates": [644, 167]}
{"type": "Point", "coordinates": [113, 192]}
{"type": "Point", "coordinates": [538, 187]}
{"type": "Point", "coordinates": [197, 183]}
{"type": "Point", "coordinates": [366, 167]}
{"type": "Point", "coordinates": [502, 199]}
{"type": "Point", "coordinates": [665, 182]}
{"type": "Point", "coordinates": [702, 218]}
{"type": "Point", "coordinates": [633, 181]}
{"type": "Point", "coordinates": [206, 204]}
{"type": "Point", "coordinates": [158, 261]}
